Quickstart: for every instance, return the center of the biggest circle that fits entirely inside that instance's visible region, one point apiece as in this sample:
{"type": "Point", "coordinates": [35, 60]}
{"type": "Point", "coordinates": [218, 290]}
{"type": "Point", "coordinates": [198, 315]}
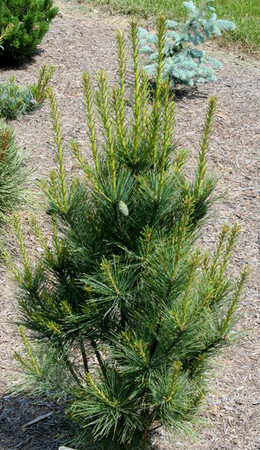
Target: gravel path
{"type": "Point", "coordinates": [78, 43]}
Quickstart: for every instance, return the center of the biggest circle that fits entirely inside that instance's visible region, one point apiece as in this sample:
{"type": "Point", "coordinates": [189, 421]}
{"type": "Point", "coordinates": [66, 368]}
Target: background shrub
{"type": "Point", "coordinates": [15, 100]}
{"type": "Point", "coordinates": [30, 20]}
{"type": "Point", "coordinates": [123, 310]}
{"type": "Point", "coordinates": [184, 62]}
{"type": "Point", "coordinates": [13, 175]}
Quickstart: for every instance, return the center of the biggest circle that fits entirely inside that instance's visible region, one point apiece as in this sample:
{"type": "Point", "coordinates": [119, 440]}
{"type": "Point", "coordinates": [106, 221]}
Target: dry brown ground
{"type": "Point", "coordinates": [78, 42]}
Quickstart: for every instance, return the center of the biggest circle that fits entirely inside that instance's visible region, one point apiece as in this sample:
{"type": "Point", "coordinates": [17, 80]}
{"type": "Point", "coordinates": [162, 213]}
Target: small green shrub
{"type": "Point", "coordinates": [124, 312]}
{"type": "Point", "coordinates": [41, 89]}
{"type": "Point", "coordinates": [13, 175]}
{"type": "Point", "coordinates": [30, 21]}
{"type": "Point", "coordinates": [184, 62]}
{"type": "Point", "coordinates": [15, 100]}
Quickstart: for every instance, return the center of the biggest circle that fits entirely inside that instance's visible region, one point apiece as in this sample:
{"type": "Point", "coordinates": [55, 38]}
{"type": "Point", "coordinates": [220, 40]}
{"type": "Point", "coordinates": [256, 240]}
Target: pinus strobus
{"type": "Point", "coordinates": [122, 313]}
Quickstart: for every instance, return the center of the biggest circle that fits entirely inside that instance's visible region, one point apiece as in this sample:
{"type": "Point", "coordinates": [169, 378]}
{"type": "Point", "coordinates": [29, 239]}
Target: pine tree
{"type": "Point", "coordinates": [122, 314]}
{"type": "Point", "coordinates": [184, 62]}
{"type": "Point", "coordinates": [28, 22]}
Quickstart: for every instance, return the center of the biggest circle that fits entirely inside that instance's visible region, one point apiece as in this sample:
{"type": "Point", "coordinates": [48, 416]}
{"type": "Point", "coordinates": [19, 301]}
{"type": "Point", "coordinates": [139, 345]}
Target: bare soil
{"type": "Point", "coordinates": [78, 42]}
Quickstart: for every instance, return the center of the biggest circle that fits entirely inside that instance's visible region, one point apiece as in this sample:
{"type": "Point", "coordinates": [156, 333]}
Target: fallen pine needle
{"type": "Point", "coordinates": [37, 419]}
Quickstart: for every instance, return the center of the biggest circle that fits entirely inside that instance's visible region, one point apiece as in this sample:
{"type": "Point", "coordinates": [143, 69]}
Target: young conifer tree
{"type": "Point", "coordinates": [185, 62]}
{"type": "Point", "coordinates": [122, 313]}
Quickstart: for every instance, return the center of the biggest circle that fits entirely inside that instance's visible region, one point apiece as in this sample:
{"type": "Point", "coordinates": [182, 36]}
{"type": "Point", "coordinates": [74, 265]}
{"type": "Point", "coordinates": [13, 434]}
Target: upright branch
{"type": "Point", "coordinates": [160, 43]}
{"type": "Point", "coordinates": [103, 104]}
{"type": "Point", "coordinates": [122, 72]}
{"type": "Point", "coordinates": [137, 102]}
{"type": "Point", "coordinates": [58, 138]}
{"type": "Point", "coordinates": [88, 101]}
{"type": "Point", "coordinates": [168, 129]}
{"type": "Point", "coordinates": [202, 165]}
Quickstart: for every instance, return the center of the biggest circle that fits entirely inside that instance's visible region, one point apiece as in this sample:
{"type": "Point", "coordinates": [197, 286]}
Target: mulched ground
{"type": "Point", "coordinates": [76, 43]}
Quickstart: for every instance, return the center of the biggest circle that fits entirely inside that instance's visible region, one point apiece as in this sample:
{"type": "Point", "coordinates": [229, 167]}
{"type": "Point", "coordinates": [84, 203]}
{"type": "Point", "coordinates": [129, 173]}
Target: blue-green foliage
{"type": "Point", "coordinates": [184, 62]}
{"type": "Point", "coordinates": [16, 100]}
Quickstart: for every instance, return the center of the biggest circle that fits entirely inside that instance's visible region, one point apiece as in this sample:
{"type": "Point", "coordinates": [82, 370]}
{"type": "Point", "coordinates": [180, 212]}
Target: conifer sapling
{"type": "Point", "coordinates": [184, 62]}
{"type": "Point", "coordinates": [122, 314]}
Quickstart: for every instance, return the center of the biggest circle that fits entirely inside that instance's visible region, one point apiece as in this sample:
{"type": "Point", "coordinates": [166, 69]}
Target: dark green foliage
{"type": "Point", "coordinates": [15, 100]}
{"type": "Point", "coordinates": [12, 174]}
{"type": "Point", "coordinates": [131, 311]}
{"type": "Point", "coordinates": [30, 20]}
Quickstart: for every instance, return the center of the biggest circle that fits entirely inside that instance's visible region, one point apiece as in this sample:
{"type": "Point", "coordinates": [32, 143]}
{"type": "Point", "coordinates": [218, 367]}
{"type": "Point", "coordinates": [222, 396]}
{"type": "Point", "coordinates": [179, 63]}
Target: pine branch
{"type": "Point", "coordinates": [137, 103]}
{"type": "Point", "coordinates": [58, 137]}
{"type": "Point", "coordinates": [202, 165]}
{"type": "Point", "coordinates": [160, 43]}
{"type": "Point", "coordinates": [103, 104]}
{"type": "Point", "coordinates": [88, 100]}
{"type": "Point", "coordinates": [120, 110]}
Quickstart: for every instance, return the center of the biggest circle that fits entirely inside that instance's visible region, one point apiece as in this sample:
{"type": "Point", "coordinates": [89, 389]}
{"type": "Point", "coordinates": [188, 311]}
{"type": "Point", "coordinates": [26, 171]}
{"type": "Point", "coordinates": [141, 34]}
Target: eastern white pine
{"type": "Point", "coordinates": [123, 312]}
